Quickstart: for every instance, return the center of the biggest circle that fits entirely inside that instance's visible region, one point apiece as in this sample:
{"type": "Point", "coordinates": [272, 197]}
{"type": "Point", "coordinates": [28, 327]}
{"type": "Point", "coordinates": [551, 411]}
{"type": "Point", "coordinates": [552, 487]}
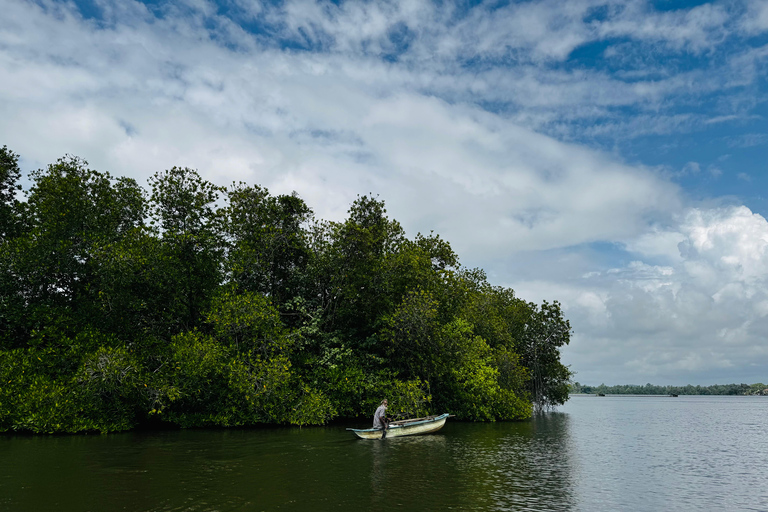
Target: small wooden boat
{"type": "Point", "coordinates": [412, 427]}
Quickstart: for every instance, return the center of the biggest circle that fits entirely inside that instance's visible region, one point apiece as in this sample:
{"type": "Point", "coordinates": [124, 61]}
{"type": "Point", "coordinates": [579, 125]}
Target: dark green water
{"type": "Point", "coordinates": [595, 454]}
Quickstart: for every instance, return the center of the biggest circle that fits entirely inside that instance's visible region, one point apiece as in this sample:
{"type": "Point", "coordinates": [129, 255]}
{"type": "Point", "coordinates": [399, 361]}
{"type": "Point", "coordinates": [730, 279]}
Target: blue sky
{"type": "Point", "coordinates": [607, 154]}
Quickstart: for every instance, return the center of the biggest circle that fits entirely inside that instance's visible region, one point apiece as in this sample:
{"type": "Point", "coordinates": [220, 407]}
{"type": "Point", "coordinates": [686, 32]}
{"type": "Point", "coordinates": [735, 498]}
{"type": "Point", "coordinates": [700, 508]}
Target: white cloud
{"type": "Point", "coordinates": [178, 58]}
{"type": "Point", "coordinates": [701, 319]}
{"type": "Point", "coordinates": [545, 30]}
{"type": "Point", "coordinates": [656, 243]}
{"type": "Point", "coordinates": [756, 19]}
{"type": "Point", "coordinates": [691, 168]}
{"type": "Point", "coordinates": [748, 140]}
{"type": "Point", "coordinates": [695, 29]}
{"type": "Point", "coordinates": [327, 126]}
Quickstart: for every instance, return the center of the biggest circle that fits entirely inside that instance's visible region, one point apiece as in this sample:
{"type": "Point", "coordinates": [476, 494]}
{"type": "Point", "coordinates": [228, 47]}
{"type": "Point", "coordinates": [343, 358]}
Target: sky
{"type": "Point", "coordinates": [606, 154]}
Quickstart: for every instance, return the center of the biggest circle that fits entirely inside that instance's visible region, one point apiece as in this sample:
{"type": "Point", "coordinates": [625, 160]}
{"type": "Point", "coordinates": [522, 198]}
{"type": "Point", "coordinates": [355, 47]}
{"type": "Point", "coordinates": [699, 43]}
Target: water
{"type": "Point", "coordinates": [608, 453]}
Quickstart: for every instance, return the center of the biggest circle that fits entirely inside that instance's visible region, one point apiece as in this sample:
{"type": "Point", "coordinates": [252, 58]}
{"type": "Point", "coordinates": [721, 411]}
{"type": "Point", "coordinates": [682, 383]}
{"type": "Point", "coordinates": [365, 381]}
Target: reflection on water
{"type": "Point", "coordinates": [401, 468]}
{"type": "Point", "coordinates": [521, 466]}
{"type": "Point", "coordinates": [504, 466]}
{"type": "Point", "coordinates": [672, 454]}
{"type": "Point", "coordinates": [597, 454]}
{"type": "Point", "coordinates": [477, 467]}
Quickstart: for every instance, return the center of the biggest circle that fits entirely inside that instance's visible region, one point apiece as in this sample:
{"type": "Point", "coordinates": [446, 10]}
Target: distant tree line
{"type": "Point", "coordinates": [191, 304]}
{"type": "Point", "coordinates": [650, 389]}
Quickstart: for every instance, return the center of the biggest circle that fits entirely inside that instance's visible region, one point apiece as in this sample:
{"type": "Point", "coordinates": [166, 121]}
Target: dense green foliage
{"type": "Point", "coordinates": [197, 305]}
{"type": "Point", "coordinates": [650, 389]}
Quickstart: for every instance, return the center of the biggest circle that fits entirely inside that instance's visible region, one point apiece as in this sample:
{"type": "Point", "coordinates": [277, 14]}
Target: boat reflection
{"type": "Point", "coordinates": [500, 466]}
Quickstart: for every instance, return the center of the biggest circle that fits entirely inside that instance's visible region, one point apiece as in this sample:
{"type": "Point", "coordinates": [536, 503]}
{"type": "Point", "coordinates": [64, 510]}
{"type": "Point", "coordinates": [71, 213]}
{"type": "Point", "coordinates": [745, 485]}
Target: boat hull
{"type": "Point", "coordinates": [405, 428]}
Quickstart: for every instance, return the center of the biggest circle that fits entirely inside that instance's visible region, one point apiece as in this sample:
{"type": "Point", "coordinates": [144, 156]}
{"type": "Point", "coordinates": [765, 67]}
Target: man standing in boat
{"type": "Point", "coordinates": [380, 416]}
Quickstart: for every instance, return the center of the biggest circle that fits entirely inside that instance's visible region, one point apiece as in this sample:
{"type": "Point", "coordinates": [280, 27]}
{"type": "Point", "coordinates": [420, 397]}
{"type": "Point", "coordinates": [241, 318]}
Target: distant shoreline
{"type": "Point", "coordinates": [630, 395]}
{"type": "Point", "coordinates": [655, 390]}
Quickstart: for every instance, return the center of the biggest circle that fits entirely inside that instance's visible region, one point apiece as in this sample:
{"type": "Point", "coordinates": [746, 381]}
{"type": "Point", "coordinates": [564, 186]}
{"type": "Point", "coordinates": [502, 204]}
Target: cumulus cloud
{"type": "Point", "coordinates": [701, 318]}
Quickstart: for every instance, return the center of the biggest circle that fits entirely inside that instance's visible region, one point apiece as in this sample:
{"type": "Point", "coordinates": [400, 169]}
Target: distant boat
{"type": "Point", "coordinates": [601, 394]}
{"type": "Point", "coordinates": [411, 427]}
{"type": "Point", "coordinates": [673, 394]}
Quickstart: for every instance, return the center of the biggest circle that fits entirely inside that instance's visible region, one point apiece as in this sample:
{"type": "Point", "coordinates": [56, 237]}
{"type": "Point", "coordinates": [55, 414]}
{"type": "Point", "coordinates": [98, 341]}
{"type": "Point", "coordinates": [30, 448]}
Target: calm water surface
{"type": "Point", "coordinates": [607, 453]}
